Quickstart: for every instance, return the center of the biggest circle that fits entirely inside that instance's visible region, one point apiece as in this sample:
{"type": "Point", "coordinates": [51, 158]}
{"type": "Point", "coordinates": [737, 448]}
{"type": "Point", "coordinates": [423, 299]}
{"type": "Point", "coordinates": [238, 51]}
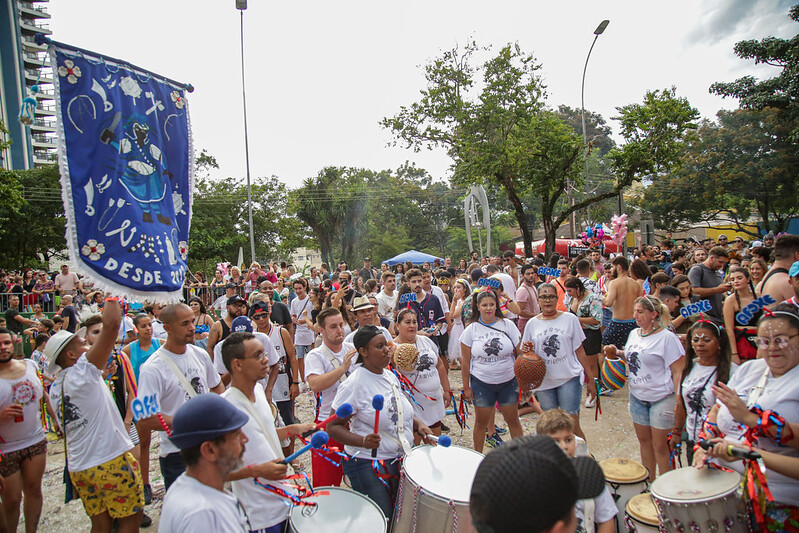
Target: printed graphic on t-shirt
{"type": "Point", "coordinates": [425, 362]}
{"type": "Point", "coordinates": [493, 347]}
{"type": "Point", "coordinates": [196, 384]}
{"type": "Point", "coordinates": [696, 401]}
{"type": "Point", "coordinates": [71, 411]}
{"type": "Point", "coordinates": [633, 363]}
{"type": "Point", "coordinates": [551, 346]}
{"type": "Point", "coordinates": [23, 392]}
{"type": "Point", "coordinates": [392, 410]}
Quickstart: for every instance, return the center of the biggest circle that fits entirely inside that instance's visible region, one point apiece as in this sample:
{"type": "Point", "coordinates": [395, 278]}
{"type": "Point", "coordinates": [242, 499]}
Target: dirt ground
{"type": "Point", "coordinates": [612, 435]}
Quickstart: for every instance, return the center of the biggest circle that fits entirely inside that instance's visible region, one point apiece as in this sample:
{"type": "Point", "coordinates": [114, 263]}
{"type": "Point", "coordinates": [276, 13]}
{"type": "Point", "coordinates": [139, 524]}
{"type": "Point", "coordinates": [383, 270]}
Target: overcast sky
{"type": "Point", "coordinates": [322, 74]}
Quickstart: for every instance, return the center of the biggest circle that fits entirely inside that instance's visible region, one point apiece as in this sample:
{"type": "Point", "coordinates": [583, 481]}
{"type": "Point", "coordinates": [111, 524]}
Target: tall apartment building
{"type": "Point", "coordinates": [20, 62]}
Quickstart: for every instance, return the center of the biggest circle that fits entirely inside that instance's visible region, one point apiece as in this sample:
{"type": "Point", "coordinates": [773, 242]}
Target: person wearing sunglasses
{"type": "Point", "coordinates": [707, 363]}
{"type": "Point", "coordinates": [770, 383]}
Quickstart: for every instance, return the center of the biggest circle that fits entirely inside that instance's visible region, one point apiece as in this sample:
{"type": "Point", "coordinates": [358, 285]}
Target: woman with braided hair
{"type": "Point", "coordinates": [707, 362]}
{"type": "Point", "coordinates": [742, 335]}
{"type": "Point", "coordinates": [757, 408]}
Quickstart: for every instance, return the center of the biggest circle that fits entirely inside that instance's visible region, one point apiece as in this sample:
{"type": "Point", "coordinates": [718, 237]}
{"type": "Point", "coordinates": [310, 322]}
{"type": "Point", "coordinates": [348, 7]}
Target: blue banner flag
{"type": "Point", "coordinates": [125, 156]}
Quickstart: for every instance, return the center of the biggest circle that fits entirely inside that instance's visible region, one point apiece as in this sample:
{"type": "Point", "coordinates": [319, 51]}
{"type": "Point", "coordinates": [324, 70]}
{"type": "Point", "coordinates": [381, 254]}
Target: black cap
{"type": "Point", "coordinates": [364, 334]}
{"type": "Point", "coordinates": [233, 300]}
{"type": "Point", "coordinates": [260, 305]}
{"type": "Point", "coordinates": [530, 484]}
{"type": "Point", "coordinates": [230, 286]}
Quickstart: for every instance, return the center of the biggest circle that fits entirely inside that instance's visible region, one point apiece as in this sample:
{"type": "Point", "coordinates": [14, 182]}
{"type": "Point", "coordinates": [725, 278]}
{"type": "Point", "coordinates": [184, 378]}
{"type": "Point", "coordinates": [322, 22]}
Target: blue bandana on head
{"type": "Point", "coordinates": [126, 165]}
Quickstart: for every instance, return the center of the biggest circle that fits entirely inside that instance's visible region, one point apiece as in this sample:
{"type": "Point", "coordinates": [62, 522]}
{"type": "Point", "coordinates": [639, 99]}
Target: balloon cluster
{"type": "Point", "coordinates": [594, 236]}
{"type": "Point", "coordinates": [619, 225]}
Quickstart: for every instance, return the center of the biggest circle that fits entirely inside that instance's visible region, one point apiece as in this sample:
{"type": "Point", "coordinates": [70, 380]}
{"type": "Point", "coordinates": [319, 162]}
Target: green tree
{"type": "Point", "coordinates": [741, 165]}
{"type": "Point", "coordinates": [780, 92]}
{"type": "Point", "coordinates": [32, 224]}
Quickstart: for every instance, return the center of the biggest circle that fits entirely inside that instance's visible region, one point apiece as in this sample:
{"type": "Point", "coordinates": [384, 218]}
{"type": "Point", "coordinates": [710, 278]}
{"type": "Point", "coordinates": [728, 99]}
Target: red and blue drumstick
{"type": "Point", "coordinates": [344, 411]}
{"type": "Point", "coordinates": [317, 441]}
{"type": "Point", "coordinates": [377, 403]}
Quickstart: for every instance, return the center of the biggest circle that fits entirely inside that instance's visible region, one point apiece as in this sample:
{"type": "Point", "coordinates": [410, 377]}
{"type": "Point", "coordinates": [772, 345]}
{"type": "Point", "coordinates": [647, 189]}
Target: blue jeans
{"type": "Point", "coordinates": [566, 396]}
{"type": "Point", "coordinates": [365, 481]}
{"type": "Point", "coordinates": [172, 467]}
{"type": "Point", "coordinates": [277, 528]}
{"type": "Point", "coordinates": [300, 350]}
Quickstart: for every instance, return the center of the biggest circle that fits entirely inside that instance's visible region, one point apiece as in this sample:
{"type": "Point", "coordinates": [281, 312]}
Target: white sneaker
{"type": "Point", "coordinates": [590, 401]}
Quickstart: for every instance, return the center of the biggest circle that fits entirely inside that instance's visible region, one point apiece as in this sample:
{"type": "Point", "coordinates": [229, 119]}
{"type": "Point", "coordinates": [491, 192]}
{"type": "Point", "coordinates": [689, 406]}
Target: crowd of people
{"type": "Point", "coordinates": [708, 332]}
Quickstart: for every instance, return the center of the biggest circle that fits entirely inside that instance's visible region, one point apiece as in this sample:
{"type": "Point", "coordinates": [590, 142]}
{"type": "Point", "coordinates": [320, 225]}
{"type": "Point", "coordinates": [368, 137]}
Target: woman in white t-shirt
{"type": "Point", "coordinates": [557, 337]}
{"type": "Point", "coordinates": [770, 383]}
{"type": "Point", "coordinates": [707, 362]}
{"type": "Point", "coordinates": [654, 358]}
{"type": "Point", "coordinates": [429, 376]}
{"type": "Point", "coordinates": [460, 290]}
{"type": "Point", "coordinates": [488, 350]}
{"type": "Point", "coordinates": [397, 425]}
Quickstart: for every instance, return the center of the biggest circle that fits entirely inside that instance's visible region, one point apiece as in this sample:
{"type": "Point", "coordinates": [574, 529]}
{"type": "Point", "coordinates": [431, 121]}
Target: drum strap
{"type": "Point", "coordinates": [406, 446]}
{"type": "Point", "coordinates": [239, 398]}
{"type": "Point", "coordinates": [757, 390]}
{"type": "Point", "coordinates": [589, 506]}
{"type": "Point", "coordinates": [334, 362]}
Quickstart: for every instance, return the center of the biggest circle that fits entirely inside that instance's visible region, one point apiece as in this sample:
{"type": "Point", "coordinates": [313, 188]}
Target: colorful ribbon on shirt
{"type": "Point", "coordinates": [461, 411]}
{"type": "Point", "coordinates": [407, 387]}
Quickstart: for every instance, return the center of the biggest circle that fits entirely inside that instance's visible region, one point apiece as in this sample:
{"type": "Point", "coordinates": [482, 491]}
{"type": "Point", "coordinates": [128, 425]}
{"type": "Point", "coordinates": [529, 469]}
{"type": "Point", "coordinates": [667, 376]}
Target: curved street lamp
{"type": "Point", "coordinates": [597, 32]}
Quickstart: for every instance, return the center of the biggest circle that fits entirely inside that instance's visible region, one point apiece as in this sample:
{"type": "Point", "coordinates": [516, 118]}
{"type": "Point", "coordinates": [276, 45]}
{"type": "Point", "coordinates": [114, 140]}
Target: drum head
{"type": "Point", "coordinates": [447, 473]}
{"type": "Point", "coordinates": [642, 508]}
{"type": "Point", "coordinates": [689, 484]}
{"type": "Point", "coordinates": [341, 510]}
{"type": "Point", "coordinates": [618, 470]}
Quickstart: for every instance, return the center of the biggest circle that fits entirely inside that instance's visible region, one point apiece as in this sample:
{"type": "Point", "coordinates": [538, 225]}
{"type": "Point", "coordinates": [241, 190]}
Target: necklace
{"type": "Point", "coordinates": [547, 316]}
{"type": "Point", "coordinates": [483, 323]}
{"type": "Point", "coordinates": [650, 333]}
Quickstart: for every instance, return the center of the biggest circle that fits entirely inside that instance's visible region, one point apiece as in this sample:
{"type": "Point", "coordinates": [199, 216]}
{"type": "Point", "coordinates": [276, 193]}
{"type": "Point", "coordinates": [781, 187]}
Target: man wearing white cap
{"type": "Point", "coordinates": [104, 472]}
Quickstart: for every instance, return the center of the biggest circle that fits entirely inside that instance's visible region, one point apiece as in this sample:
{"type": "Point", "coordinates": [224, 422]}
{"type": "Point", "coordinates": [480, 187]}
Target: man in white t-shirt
{"type": "Point", "coordinates": [98, 445]}
{"type": "Point", "coordinates": [176, 372]}
{"type": "Point", "coordinates": [301, 308]}
{"type": "Point", "coordinates": [244, 357]}
{"type": "Point", "coordinates": [326, 367]}
{"type": "Point", "coordinates": [207, 430]}
{"type": "Point", "coordinates": [158, 327]}
{"type": "Point", "coordinates": [387, 298]}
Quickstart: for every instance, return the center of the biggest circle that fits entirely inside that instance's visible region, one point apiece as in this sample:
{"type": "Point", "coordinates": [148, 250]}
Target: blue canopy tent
{"type": "Point", "coordinates": [417, 258]}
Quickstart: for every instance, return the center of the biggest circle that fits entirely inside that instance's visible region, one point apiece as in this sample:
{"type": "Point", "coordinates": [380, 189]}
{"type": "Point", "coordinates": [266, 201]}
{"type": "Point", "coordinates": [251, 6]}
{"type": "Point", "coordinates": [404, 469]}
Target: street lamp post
{"type": "Point", "coordinates": [597, 32]}
{"type": "Point", "coordinates": [241, 5]}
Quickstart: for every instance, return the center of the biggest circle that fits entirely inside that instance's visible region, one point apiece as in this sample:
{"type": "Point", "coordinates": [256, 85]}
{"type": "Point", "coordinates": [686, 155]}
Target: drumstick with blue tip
{"type": "Point", "coordinates": [444, 441]}
{"type": "Point", "coordinates": [377, 403]}
{"type": "Point", "coordinates": [344, 411]}
{"type": "Point", "coordinates": [317, 441]}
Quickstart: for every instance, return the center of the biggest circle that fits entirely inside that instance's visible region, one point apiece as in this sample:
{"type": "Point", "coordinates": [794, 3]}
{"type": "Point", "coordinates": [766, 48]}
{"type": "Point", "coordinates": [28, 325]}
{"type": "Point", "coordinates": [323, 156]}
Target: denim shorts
{"type": "Point", "coordinates": [489, 394]}
{"type": "Point", "coordinates": [300, 350]}
{"type": "Point", "coordinates": [658, 415]}
{"type": "Point", "coordinates": [566, 396]}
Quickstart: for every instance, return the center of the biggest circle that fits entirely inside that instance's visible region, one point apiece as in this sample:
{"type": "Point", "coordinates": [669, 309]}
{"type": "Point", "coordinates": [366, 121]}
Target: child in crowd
{"type": "Point", "coordinates": [594, 515]}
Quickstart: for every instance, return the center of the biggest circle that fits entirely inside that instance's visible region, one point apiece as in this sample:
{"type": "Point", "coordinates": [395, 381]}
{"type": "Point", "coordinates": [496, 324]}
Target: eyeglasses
{"type": "Point", "coordinates": [260, 316]}
{"type": "Point", "coordinates": [780, 341]}
{"type": "Point", "coordinates": [547, 297]}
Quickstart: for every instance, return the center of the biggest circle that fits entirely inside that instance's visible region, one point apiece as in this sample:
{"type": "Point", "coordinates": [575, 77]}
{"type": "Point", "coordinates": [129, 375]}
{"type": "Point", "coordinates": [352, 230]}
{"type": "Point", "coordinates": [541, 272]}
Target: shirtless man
{"type": "Point", "coordinates": [777, 282]}
{"type": "Point", "coordinates": [622, 292]}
